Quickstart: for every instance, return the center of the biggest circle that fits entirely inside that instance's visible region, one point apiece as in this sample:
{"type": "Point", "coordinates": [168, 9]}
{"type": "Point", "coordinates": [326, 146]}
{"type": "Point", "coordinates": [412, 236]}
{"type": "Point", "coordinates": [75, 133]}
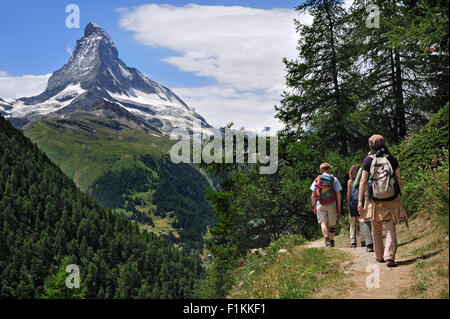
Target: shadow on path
{"type": "Point", "coordinates": [413, 260]}
{"type": "Point", "coordinates": [407, 242]}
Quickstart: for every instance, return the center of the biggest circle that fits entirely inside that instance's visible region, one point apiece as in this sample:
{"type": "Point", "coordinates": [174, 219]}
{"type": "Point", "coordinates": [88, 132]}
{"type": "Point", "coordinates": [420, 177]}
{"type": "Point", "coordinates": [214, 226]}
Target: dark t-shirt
{"type": "Point", "coordinates": [394, 163]}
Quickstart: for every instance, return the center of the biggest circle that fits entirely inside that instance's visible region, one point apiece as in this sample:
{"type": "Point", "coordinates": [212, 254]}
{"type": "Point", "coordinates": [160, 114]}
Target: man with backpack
{"type": "Point", "coordinates": [381, 178]}
{"type": "Point", "coordinates": [326, 202]}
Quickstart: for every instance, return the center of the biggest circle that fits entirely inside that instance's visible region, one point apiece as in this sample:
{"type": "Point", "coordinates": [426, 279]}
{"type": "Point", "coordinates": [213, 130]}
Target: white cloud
{"type": "Point", "coordinates": [241, 48]}
{"type": "Point", "coordinates": [221, 105]}
{"type": "Point", "coordinates": [22, 86]}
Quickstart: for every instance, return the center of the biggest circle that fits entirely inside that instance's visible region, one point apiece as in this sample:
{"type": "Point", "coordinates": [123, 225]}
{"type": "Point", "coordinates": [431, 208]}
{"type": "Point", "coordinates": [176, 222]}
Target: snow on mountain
{"type": "Point", "coordinates": [95, 73]}
{"type": "Point", "coordinates": [56, 102]}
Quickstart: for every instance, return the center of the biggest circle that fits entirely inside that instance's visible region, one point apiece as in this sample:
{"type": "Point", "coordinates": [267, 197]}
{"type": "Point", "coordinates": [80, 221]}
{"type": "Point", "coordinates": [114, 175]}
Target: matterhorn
{"type": "Point", "coordinates": [96, 80]}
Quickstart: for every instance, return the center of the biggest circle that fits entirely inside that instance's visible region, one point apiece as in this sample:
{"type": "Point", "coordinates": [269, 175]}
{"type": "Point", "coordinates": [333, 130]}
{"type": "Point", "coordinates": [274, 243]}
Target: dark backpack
{"type": "Point", "coordinates": [353, 203]}
{"type": "Point", "coordinates": [325, 192]}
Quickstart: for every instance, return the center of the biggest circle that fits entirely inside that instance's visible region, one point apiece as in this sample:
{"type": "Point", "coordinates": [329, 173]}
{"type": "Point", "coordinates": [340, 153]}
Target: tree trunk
{"type": "Point", "coordinates": [337, 92]}
{"type": "Point", "coordinates": [400, 106]}
{"type": "Point", "coordinates": [394, 93]}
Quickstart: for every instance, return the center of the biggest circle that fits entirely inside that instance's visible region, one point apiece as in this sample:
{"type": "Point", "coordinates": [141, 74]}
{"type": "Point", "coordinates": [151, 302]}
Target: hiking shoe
{"type": "Point", "coordinates": [369, 248]}
{"type": "Point", "coordinates": [363, 244]}
{"type": "Point", "coordinates": [380, 260]}
{"type": "Point", "coordinates": [390, 263]}
{"type": "Point", "coordinates": [332, 243]}
{"type": "Point", "coordinates": [353, 245]}
{"type": "Point", "coordinates": [327, 242]}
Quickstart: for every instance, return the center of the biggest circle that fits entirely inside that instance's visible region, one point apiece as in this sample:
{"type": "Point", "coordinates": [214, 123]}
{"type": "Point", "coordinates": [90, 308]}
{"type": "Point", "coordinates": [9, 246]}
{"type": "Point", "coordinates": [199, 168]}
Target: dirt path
{"type": "Point", "coordinates": [363, 270]}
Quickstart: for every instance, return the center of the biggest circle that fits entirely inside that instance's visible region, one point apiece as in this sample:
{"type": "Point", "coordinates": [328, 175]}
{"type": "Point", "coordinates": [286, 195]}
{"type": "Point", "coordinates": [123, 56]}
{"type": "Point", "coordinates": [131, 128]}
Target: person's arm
{"type": "Point", "coordinates": [339, 200]}
{"type": "Point", "coordinates": [399, 178]}
{"type": "Point", "coordinates": [349, 190]}
{"type": "Point", "coordinates": [313, 201]}
{"type": "Point", "coordinates": [362, 189]}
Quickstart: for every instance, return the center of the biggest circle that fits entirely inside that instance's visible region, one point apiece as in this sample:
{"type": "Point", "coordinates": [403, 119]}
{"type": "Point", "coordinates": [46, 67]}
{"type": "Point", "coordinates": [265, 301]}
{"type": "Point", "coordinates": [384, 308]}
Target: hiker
{"type": "Point", "coordinates": [326, 202]}
{"type": "Point", "coordinates": [381, 186]}
{"type": "Point", "coordinates": [365, 227]}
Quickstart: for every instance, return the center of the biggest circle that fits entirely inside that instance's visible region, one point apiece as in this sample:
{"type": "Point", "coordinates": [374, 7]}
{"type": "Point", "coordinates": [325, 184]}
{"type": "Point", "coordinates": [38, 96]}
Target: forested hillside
{"type": "Point", "coordinates": [47, 223]}
{"type": "Point", "coordinates": [127, 169]}
{"type": "Point", "coordinates": [159, 189]}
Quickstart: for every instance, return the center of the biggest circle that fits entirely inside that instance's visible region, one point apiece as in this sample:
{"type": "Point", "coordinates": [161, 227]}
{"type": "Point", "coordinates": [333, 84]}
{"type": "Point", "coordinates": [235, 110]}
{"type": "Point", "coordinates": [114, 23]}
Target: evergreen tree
{"type": "Point", "coordinates": [319, 95]}
{"type": "Point", "coordinates": [46, 223]}
{"type": "Point", "coordinates": [55, 285]}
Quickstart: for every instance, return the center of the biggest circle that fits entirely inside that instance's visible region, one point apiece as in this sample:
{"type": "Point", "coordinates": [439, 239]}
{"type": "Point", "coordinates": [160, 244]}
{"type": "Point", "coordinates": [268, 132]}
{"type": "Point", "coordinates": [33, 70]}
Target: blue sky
{"type": "Point", "coordinates": [35, 41]}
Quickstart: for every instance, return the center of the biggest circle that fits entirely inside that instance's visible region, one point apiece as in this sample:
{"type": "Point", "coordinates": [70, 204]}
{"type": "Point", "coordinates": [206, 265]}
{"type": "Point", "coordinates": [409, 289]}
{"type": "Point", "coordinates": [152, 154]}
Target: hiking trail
{"type": "Point", "coordinates": [392, 281]}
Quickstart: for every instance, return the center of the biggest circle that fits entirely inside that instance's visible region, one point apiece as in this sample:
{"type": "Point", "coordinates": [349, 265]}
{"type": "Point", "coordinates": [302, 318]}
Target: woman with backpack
{"type": "Point", "coordinates": [379, 198]}
{"type": "Point", "coordinates": [365, 227]}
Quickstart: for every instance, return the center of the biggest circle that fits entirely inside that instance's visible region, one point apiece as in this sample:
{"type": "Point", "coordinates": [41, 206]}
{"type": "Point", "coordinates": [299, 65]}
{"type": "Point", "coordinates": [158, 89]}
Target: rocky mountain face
{"type": "Point", "coordinates": [95, 78]}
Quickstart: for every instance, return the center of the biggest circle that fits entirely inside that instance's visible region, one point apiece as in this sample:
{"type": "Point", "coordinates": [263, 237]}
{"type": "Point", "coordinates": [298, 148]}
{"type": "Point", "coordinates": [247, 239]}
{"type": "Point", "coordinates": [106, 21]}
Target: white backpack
{"type": "Point", "coordinates": [383, 179]}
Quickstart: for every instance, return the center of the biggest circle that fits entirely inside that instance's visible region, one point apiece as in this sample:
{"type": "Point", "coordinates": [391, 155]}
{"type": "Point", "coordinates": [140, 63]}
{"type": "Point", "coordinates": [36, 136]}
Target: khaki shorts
{"type": "Point", "coordinates": [327, 213]}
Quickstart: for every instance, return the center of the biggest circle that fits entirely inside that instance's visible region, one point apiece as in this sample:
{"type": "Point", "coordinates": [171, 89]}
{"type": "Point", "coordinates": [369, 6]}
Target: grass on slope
{"type": "Point", "coordinates": [85, 152]}
{"type": "Point", "coordinates": [427, 247]}
{"type": "Point", "coordinates": [296, 274]}
{"type": "Point", "coordinates": [163, 225]}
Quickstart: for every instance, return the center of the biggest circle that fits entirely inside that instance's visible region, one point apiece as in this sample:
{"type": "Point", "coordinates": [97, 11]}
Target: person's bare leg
{"type": "Point", "coordinates": [324, 228]}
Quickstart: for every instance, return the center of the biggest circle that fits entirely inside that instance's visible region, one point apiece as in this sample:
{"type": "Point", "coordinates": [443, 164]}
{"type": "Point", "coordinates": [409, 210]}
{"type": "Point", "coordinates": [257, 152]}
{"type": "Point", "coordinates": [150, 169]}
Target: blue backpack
{"type": "Point", "coordinates": [353, 203]}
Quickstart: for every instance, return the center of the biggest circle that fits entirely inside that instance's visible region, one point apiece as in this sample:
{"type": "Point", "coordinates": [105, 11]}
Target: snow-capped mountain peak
{"type": "Point", "coordinates": [93, 73]}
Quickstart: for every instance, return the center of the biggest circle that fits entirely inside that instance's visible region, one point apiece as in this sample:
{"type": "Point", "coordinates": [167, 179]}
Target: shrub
{"type": "Point", "coordinates": [424, 149]}
{"type": "Point", "coordinates": [285, 242]}
{"type": "Point", "coordinates": [423, 160]}
{"type": "Point", "coordinates": [433, 187]}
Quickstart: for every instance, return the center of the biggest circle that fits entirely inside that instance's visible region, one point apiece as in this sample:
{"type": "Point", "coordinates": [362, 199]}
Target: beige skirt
{"type": "Point", "coordinates": [385, 211]}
